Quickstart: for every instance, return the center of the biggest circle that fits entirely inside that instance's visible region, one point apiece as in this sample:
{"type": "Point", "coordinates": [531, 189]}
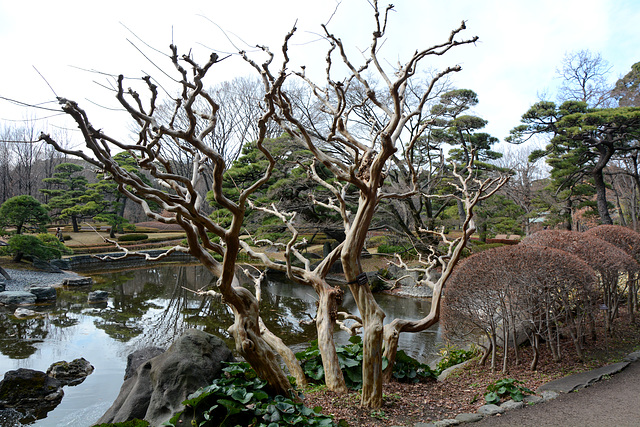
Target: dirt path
{"type": "Point", "coordinates": [610, 403]}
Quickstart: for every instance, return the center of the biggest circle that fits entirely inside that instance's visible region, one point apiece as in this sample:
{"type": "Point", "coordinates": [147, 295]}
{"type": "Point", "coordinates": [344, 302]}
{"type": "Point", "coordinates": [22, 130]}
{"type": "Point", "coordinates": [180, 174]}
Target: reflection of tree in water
{"type": "Point", "coordinates": [282, 311]}
{"type": "Point", "coordinates": [19, 336]}
{"type": "Point", "coordinates": [183, 309]}
{"type": "Point", "coordinates": [132, 293]}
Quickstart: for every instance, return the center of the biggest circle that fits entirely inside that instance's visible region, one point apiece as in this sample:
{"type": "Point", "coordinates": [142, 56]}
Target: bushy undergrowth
{"type": "Point", "coordinates": [406, 369]}
{"type": "Point", "coordinates": [240, 398]}
{"type": "Point", "coordinates": [508, 388]}
{"type": "Point", "coordinates": [396, 249]}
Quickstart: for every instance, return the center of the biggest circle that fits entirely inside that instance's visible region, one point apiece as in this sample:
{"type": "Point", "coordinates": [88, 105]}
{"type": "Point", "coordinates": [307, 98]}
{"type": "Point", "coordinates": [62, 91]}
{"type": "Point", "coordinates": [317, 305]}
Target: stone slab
{"type": "Point", "coordinates": [490, 410]}
{"type": "Point", "coordinates": [469, 418]}
{"type": "Point", "coordinates": [581, 380]}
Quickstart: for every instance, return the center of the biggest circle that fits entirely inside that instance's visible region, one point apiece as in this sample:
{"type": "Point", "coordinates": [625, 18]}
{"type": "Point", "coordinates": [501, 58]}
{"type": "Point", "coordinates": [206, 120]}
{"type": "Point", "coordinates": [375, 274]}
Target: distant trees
{"type": "Point", "coordinates": [593, 144]}
{"type": "Point", "coordinates": [43, 246]}
{"type": "Point", "coordinates": [23, 212]}
{"type": "Point", "coordinates": [582, 142]}
{"type": "Point", "coordinates": [25, 161]}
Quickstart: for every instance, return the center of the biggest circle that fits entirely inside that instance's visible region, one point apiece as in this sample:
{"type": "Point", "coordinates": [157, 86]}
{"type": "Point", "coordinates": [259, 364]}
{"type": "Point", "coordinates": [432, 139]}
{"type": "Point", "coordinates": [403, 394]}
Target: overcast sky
{"type": "Point", "coordinates": [521, 44]}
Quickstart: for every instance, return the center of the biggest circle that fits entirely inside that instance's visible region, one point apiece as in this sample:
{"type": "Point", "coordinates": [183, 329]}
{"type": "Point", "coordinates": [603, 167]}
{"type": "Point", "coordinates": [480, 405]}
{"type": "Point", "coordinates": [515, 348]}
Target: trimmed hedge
{"type": "Point", "coordinates": [134, 237]}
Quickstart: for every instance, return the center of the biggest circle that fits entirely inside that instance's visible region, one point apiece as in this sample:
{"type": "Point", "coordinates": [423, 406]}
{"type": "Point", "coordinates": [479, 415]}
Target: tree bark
{"type": "Point", "coordinates": [252, 346]}
{"type": "Point", "coordinates": [598, 178]}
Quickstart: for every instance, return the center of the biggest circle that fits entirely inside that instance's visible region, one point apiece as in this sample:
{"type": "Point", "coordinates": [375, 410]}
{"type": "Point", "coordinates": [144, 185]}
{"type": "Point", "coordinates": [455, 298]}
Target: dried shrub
{"type": "Point", "coordinates": [629, 241]}
{"type": "Point", "coordinates": [503, 292]}
{"type": "Point", "coordinates": [616, 268]}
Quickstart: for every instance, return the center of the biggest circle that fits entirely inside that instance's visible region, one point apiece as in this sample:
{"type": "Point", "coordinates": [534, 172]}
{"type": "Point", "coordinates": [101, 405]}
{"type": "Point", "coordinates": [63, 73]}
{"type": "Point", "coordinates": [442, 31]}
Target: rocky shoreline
{"type": "Point", "coordinates": [23, 279]}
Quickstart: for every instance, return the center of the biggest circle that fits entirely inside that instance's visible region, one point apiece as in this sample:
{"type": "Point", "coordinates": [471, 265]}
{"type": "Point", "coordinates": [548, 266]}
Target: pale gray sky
{"type": "Point", "coordinates": [521, 44]}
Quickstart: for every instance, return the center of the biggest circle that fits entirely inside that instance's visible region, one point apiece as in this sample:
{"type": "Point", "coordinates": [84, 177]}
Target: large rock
{"type": "Point", "coordinates": [43, 293]}
{"type": "Point", "coordinates": [17, 298]}
{"type": "Point", "coordinates": [159, 386]}
{"type": "Point", "coordinates": [25, 313]}
{"type": "Point", "coordinates": [62, 264]}
{"type": "Point", "coordinates": [138, 357]}
{"type": "Point", "coordinates": [32, 393]}
{"type": "Point", "coordinates": [70, 373]}
{"type": "Point", "coordinates": [43, 265]}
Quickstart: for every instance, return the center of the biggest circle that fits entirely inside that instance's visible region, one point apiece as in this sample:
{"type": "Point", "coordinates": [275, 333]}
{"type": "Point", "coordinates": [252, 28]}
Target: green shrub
{"type": "Point", "coordinates": [349, 358]}
{"type": "Point", "coordinates": [452, 356]}
{"type": "Point", "coordinates": [409, 370]}
{"type": "Point", "coordinates": [44, 246]}
{"type": "Point", "coordinates": [134, 237]}
{"type": "Point", "coordinates": [239, 398]}
{"type": "Point", "coordinates": [396, 249]}
{"type": "Point", "coordinates": [378, 240]}
{"type": "Point", "coordinates": [406, 369]}
{"type": "Point", "coordinates": [506, 387]}
{"type": "Point", "coordinates": [129, 227]}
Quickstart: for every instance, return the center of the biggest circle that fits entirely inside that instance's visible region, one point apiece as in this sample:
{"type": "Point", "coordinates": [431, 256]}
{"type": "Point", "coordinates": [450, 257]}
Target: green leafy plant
{"type": "Point", "coordinates": [406, 369]}
{"type": "Point", "coordinates": [451, 356]}
{"type": "Point", "coordinates": [349, 358]}
{"type": "Point", "coordinates": [506, 387]}
{"type": "Point", "coordinates": [240, 398]}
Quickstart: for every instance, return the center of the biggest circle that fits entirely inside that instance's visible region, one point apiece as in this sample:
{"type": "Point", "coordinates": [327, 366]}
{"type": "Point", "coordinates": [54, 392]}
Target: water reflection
{"type": "Point", "coordinates": [149, 307]}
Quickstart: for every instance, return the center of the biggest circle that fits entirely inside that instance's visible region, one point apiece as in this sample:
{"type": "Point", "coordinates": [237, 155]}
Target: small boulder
{"type": "Point", "coordinates": [3, 285]}
{"type": "Point", "coordinates": [62, 264]}
{"type": "Point", "coordinates": [79, 281]}
{"type": "Point", "coordinates": [17, 298]}
{"type": "Point", "coordinates": [44, 293]}
{"type": "Point", "coordinates": [70, 373]}
{"type": "Point", "coordinates": [30, 392]}
{"type": "Point", "coordinates": [24, 313]}
{"type": "Point", "coordinates": [98, 297]}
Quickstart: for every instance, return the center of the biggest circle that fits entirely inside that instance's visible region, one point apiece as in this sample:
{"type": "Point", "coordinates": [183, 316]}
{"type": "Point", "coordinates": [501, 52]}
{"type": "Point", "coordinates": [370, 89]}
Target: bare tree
{"type": "Point", "coordinates": [584, 78]}
{"type": "Point", "coordinates": [179, 194]}
{"type": "Point", "coordinates": [368, 160]}
{"type": "Point", "coordinates": [524, 185]}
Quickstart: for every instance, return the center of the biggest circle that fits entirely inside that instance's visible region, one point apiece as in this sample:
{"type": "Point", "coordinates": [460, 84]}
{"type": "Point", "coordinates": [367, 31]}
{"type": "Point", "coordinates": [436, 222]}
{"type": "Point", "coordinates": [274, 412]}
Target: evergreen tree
{"type": "Point", "coordinates": [70, 196]}
{"type": "Point", "coordinates": [23, 211]}
{"type": "Point", "coordinates": [583, 141]}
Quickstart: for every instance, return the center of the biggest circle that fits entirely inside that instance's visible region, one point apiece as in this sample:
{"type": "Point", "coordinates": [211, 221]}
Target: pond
{"type": "Point", "coordinates": [149, 307]}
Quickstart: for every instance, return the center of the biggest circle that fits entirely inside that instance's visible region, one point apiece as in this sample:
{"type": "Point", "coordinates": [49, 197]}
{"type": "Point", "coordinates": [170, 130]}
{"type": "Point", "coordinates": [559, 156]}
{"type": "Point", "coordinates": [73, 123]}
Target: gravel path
{"type": "Point", "coordinates": [22, 279]}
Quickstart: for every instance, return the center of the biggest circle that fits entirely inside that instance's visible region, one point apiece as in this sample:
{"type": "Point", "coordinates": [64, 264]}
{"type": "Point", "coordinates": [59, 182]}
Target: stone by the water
{"type": "Point", "coordinates": [17, 298]}
{"type": "Point", "coordinates": [23, 313]}
{"type": "Point", "coordinates": [80, 281]}
{"type": "Point", "coordinates": [159, 386]}
{"type": "Point", "coordinates": [43, 293]}
{"type": "Point", "coordinates": [71, 373]}
{"type": "Point", "coordinates": [97, 297]}
{"type": "Point", "coordinates": [30, 392]}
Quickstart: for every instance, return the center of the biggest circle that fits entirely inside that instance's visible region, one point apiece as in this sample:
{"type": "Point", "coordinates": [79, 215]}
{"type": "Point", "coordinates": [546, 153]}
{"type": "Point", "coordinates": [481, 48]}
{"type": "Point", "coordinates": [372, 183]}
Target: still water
{"type": "Point", "coordinates": [149, 307]}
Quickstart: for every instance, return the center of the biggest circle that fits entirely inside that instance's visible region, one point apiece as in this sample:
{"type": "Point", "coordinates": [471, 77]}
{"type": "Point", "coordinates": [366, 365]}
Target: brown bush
{"type": "Point", "coordinates": [503, 291]}
{"type": "Point", "coordinates": [616, 268]}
